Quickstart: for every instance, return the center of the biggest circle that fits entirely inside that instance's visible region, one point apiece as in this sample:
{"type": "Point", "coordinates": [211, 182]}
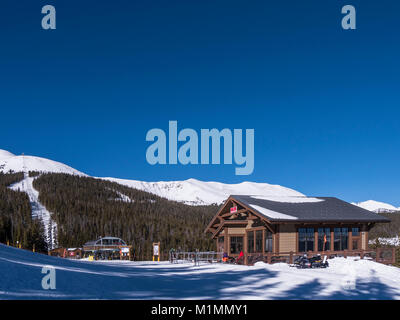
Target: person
{"type": "Point", "coordinates": [240, 258]}
{"type": "Point", "coordinates": [225, 257]}
{"type": "Point", "coordinates": [171, 255]}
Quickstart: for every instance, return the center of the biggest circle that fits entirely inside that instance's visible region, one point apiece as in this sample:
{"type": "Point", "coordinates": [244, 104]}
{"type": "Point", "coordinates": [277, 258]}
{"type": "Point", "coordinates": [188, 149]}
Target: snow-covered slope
{"type": "Point", "coordinates": [38, 210]}
{"type": "Point", "coordinates": [348, 279]}
{"type": "Point", "coordinates": [376, 206]}
{"type": "Point", "coordinates": [195, 192]}
{"type": "Point", "coordinates": [22, 163]}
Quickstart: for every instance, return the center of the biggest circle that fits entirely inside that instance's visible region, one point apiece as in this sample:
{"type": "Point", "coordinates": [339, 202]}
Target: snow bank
{"type": "Point", "coordinates": [344, 279]}
{"type": "Point", "coordinates": [387, 241]}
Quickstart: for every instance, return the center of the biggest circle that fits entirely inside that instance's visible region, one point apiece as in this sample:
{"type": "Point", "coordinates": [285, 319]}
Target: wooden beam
{"type": "Point", "coordinates": [232, 213]}
{"type": "Point", "coordinates": [252, 217]}
{"type": "Point", "coordinates": [217, 231]}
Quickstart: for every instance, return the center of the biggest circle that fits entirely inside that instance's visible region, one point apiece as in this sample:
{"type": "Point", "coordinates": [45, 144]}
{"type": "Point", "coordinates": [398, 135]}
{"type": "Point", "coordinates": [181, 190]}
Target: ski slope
{"type": "Point", "coordinates": [351, 279]}
{"type": "Point", "coordinates": [39, 211]}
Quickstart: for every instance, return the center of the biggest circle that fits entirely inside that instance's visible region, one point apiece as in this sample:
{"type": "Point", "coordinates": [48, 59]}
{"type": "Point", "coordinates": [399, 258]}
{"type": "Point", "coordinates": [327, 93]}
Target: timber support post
{"type": "Point", "coordinates": [269, 257]}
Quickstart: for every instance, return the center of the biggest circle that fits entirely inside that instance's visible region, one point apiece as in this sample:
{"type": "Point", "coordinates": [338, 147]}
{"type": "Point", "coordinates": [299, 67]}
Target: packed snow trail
{"type": "Point", "coordinates": [21, 278]}
{"type": "Point", "coordinates": [39, 211]}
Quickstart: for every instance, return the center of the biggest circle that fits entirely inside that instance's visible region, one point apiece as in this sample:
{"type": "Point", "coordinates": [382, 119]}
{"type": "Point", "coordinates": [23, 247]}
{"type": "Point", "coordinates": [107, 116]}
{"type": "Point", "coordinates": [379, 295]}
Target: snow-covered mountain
{"type": "Point", "coordinates": [195, 192]}
{"type": "Point", "coordinates": [23, 163]}
{"type": "Point", "coordinates": [376, 206]}
{"type": "Point", "coordinates": [191, 191]}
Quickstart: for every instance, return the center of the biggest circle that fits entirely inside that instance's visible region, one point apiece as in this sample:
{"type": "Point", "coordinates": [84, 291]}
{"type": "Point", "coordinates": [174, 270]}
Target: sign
{"type": "Point", "coordinates": [156, 249]}
{"type": "Point", "coordinates": [125, 250]}
{"type": "Point", "coordinates": [234, 209]}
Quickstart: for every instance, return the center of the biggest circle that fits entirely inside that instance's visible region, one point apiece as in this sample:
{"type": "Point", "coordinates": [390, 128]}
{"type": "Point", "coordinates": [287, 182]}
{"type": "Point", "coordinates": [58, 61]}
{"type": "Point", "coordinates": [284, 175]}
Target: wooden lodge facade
{"type": "Point", "coordinates": [268, 227]}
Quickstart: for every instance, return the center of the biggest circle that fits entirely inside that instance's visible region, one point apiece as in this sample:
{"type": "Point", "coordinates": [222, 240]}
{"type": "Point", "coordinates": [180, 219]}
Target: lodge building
{"type": "Point", "coordinates": [279, 226]}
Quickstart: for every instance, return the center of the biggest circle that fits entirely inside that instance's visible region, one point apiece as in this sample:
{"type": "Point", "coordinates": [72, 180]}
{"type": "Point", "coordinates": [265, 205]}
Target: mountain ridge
{"type": "Point", "coordinates": [190, 191]}
{"type": "Point", "coordinates": [376, 206]}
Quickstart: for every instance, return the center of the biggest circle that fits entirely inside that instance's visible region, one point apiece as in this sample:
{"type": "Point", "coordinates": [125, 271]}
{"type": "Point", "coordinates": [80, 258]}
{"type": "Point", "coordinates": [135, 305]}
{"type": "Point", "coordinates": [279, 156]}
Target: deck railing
{"type": "Point", "coordinates": [196, 257]}
{"type": "Point", "coordinates": [382, 255]}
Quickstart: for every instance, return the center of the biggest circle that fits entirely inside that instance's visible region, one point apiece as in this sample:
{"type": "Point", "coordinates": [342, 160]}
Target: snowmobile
{"type": "Point", "coordinates": [313, 262]}
{"type": "Point", "coordinates": [302, 262]}
{"type": "Point", "coordinates": [319, 262]}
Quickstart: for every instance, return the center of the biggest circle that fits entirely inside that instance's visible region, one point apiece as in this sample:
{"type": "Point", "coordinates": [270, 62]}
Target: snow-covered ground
{"type": "Point", "coordinates": [39, 211]}
{"type": "Point", "coordinates": [350, 278]}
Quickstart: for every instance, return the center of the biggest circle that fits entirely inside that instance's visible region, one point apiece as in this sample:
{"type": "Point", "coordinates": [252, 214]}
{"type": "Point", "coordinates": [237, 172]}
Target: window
{"type": "Point", "coordinates": [250, 242]}
{"type": "Point", "coordinates": [355, 232]}
{"type": "Point", "coordinates": [341, 236]}
{"type": "Point", "coordinates": [324, 239]}
{"type": "Point", "coordinates": [259, 240]}
{"type": "Point", "coordinates": [236, 245]}
{"type": "Point", "coordinates": [355, 244]}
{"type": "Point", "coordinates": [221, 239]}
{"type": "Point", "coordinates": [268, 241]}
{"type": "Point", "coordinates": [306, 239]}
{"type": "Point", "coordinates": [345, 238]}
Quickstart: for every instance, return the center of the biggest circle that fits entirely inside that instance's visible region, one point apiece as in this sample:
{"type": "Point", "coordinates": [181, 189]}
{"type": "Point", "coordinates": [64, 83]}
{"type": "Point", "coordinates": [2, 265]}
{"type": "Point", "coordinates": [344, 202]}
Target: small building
{"type": "Point", "coordinates": [57, 252]}
{"type": "Point", "coordinates": [279, 226]}
{"type": "Point", "coordinates": [71, 253]}
{"type": "Point", "coordinates": [108, 248]}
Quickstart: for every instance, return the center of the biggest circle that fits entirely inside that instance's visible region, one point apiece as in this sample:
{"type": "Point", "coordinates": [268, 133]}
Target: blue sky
{"type": "Point", "coordinates": [324, 102]}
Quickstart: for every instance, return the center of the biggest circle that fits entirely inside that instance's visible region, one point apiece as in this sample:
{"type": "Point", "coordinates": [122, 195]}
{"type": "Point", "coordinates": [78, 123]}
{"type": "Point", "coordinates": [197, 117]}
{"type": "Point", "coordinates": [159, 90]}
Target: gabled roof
{"type": "Point", "coordinates": [307, 209]}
